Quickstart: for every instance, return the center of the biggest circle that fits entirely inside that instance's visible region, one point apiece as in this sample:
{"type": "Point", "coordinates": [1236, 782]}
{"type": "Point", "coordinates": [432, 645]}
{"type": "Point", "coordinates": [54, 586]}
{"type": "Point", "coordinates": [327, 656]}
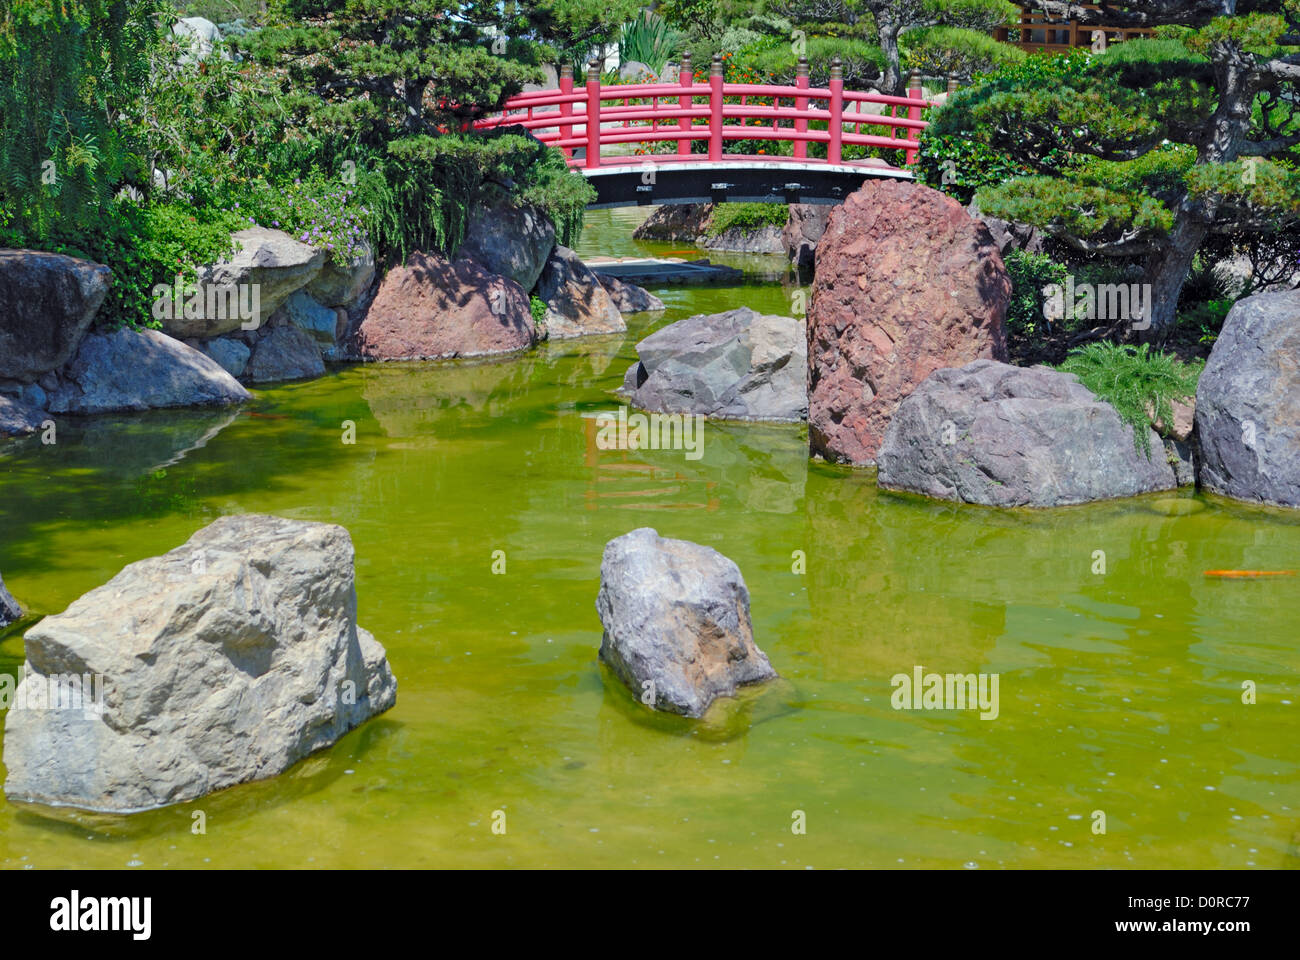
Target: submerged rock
{"type": "Point", "coordinates": [676, 619]}
{"type": "Point", "coordinates": [138, 370]}
{"type": "Point", "coordinates": [1248, 403]}
{"type": "Point", "coordinates": [1009, 436]}
{"type": "Point", "coordinates": [225, 660]}
{"type": "Point", "coordinates": [738, 365]}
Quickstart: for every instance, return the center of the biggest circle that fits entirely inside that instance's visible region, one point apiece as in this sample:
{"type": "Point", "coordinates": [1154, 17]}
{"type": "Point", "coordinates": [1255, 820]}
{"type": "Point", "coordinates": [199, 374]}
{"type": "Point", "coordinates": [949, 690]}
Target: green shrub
{"type": "Point", "coordinates": [1029, 273]}
{"type": "Point", "coordinates": [747, 216]}
{"type": "Point", "coordinates": [315, 211]}
{"type": "Point", "coordinates": [537, 306]}
{"type": "Point", "coordinates": [650, 40]}
{"type": "Point", "coordinates": [1139, 384]}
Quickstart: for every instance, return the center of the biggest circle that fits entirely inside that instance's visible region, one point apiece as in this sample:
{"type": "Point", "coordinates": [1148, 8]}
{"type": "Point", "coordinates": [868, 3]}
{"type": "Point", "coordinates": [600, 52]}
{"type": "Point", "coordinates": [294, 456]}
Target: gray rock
{"type": "Point", "coordinates": [9, 608]}
{"type": "Point", "coordinates": [139, 370]}
{"type": "Point", "coordinates": [1009, 436]}
{"type": "Point", "coordinates": [17, 417]}
{"type": "Point", "coordinates": [202, 35]}
{"type": "Point", "coordinates": [231, 355]}
{"type": "Point", "coordinates": [676, 616]}
{"type": "Point", "coordinates": [510, 241]}
{"type": "Point", "coordinates": [286, 352]}
{"type": "Point", "coordinates": [634, 71]}
{"type": "Point", "coordinates": [737, 365]}
{"type": "Point", "coordinates": [338, 285]}
{"type": "Point", "coordinates": [321, 322]}
{"type": "Point", "coordinates": [675, 222]}
{"type": "Point", "coordinates": [273, 261]}
{"type": "Point", "coordinates": [47, 303]}
{"type": "Point", "coordinates": [1248, 403]}
{"type": "Point", "coordinates": [1009, 235]}
{"type": "Point", "coordinates": [804, 228]}
{"type": "Point", "coordinates": [225, 660]}
{"type": "Point", "coordinates": [628, 297]}
{"type": "Point", "coordinates": [576, 303]}
{"type": "Point", "coordinates": [766, 239]}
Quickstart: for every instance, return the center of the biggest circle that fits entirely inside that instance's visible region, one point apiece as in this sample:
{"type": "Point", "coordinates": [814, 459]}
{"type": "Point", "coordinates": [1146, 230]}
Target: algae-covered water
{"type": "Point", "coordinates": [1120, 692]}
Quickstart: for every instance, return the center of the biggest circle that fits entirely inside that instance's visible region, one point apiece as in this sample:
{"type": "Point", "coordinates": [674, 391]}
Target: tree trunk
{"type": "Point", "coordinates": [1167, 271]}
{"type": "Point", "coordinates": [892, 84]}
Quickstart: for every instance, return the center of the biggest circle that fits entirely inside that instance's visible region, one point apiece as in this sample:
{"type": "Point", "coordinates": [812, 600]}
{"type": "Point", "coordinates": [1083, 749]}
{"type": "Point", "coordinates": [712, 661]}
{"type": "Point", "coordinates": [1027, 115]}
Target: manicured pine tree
{"type": "Point", "coordinates": [1168, 142]}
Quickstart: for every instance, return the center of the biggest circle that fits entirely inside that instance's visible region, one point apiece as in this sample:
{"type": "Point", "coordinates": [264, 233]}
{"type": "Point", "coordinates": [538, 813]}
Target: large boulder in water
{"type": "Point", "coordinates": [434, 308]}
{"type": "Point", "coordinates": [907, 282]}
{"type": "Point", "coordinates": [738, 365]}
{"type": "Point", "coordinates": [47, 303]}
{"type": "Point", "coordinates": [577, 305]}
{"type": "Point", "coordinates": [513, 241]}
{"type": "Point", "coordinates": [676, 619]}
{"type": "Point", "coordinates": [225, 660]}
{"type": "Point", "coordinates": [138, 370]}
{"type": "Point", "coordinates": [1248, 403]}
{"type": "Point", "coordinates": [1011, 436]}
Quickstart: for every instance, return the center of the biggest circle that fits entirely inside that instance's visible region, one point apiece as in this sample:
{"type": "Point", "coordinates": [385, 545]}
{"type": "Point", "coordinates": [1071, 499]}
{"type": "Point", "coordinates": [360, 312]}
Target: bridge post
{"type": "Point", "coordinates": [685, 77]}
{"type": "Point", "coordinates": [593, 115]}
{"type": "Point", "coordinates": [837, 111]}
{"type": "Point", "coordinates": [801, 103]}
{"type": "Point", "coordinates": [566, 109]}
{"type": "Point", "coordinates": [913, 113]}
{"type": "Point", "coordinates": [715, 108]}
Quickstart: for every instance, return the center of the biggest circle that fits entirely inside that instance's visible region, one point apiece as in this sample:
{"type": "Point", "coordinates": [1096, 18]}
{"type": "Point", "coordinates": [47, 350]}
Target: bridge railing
{"type": "Point", "coordinates": [713, 112]}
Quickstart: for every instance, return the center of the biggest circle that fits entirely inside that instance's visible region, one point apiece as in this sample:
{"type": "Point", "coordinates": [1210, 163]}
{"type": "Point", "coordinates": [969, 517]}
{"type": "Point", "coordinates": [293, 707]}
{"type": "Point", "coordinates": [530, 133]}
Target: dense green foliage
{"type": "Point", "coordinates": [1140, 384]}
{"type": "Point", "coordinates": [1154, 146]}
{"type": "Point", "coordinates": [649, 39]}
{"type": "Point", "coordinates": [69, 72]}
{"type": "Point", "coordinates": [341, 123]}
{"type": "Point", "coordinates": [747, 216]}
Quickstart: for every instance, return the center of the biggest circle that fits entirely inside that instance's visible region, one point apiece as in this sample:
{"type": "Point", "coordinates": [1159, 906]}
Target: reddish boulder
{"type": "Point", "coordinates": [434, 308]}
{"type": "Point", "coordinates": [907, 282]}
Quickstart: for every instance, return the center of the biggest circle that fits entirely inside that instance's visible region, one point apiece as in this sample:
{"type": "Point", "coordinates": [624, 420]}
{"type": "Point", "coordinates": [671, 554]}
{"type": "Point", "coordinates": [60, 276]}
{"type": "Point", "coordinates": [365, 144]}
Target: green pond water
{"type": "Point", "coordinates": [1119, 692]}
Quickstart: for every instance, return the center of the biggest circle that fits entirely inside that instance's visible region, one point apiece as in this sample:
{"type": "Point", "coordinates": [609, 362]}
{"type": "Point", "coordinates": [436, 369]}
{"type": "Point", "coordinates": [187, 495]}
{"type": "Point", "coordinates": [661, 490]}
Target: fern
{"type": "Point", "coordinates": [1139, 384]}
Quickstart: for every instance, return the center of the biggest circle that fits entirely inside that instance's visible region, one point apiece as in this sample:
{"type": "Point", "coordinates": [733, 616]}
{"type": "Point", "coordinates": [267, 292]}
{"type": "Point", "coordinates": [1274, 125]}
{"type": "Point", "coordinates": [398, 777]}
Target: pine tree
{"type": "Point", "coordinates": [1154, 146]}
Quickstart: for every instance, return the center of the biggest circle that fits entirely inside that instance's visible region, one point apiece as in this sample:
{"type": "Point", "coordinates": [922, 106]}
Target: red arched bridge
{"type": "Point", "coordinates": [582, 121]}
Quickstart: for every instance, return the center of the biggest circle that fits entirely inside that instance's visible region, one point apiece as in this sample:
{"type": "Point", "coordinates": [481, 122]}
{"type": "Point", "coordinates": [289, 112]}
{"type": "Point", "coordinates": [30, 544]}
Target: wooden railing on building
{"type": "Point", "coordinates": [1037, 31]}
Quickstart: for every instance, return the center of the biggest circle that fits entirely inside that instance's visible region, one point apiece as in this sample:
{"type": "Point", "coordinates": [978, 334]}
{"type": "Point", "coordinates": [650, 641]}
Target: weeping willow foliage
{"type": "Point", "coordinates": [69, 69]}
